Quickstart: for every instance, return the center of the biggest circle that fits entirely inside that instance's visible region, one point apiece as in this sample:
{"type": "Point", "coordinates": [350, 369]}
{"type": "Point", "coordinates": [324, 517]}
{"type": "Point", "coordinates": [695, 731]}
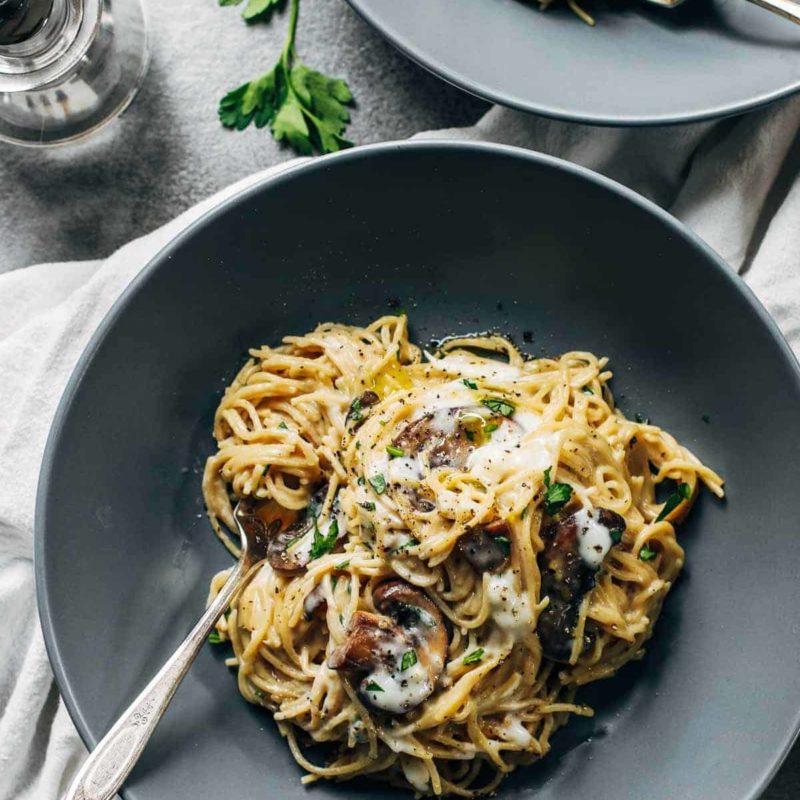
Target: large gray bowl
{"type": "Point", "coordinates": [641, 64]}
{"type": "Point", "coordinates": [466, 237]}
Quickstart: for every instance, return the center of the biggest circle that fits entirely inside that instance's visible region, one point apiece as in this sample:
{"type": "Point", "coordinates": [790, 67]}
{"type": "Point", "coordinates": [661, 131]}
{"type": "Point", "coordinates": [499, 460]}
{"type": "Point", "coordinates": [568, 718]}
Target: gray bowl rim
{"type": "Point", "coordinates": [478, 89]}
{"type": "Point", "coordinates": [163, 257]}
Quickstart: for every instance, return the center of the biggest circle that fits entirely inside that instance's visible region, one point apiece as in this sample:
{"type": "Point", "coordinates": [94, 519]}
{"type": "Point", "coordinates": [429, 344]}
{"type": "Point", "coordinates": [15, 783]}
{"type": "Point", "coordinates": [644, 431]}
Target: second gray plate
{"type": "Point", "coordinates": [640, 65]}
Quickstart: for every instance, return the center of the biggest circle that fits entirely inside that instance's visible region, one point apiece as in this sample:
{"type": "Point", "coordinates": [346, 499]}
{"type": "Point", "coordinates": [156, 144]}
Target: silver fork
{"type": "Point", "coordinates": [788, 9]}
{"type": "Point", "coordinates": [116, 754]}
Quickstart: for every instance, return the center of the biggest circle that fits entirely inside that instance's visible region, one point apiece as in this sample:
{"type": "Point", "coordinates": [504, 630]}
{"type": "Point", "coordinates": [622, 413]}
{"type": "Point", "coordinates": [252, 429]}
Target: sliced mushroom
{"type": "Point", "coordinates": [315, 605]}
{"type": "Point", "coordinates": [486, 547]}
{"type": "Point", "coordinates": [574, 550]}
{"type": "Point", "coordinates": [283, 528]}
{"type": "Point", "coordinates": [356, 412]}
{"type": "Point", "coordinates": [399, 653]}
{"type": "Point", "coordinates": [439, 434]}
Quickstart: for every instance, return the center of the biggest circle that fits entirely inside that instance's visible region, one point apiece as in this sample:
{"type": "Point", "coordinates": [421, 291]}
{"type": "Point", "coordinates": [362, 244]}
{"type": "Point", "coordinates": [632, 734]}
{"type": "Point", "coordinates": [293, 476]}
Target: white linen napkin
{"type": "Point", "coordinates": [735, 182]}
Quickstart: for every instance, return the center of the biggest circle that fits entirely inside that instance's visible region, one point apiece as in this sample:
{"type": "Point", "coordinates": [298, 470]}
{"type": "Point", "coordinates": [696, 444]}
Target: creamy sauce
{"type": "Point", "coordinates": [401, 689]}
{"type": "Point", "coordinates": [594, 538]}
{"type": "Point", "coordinates": [510, 606]}
{"type": "Point", "coordinates": [476, 369]}
{"type": "Point", "coordinates": [513, 731]}
{"type": "Point", "coordinates": [416, 774]}
{"type": "Point", "coordinates": [509, 452]}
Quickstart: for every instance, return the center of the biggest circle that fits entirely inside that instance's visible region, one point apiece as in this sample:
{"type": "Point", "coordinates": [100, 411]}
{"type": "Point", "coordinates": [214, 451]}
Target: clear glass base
{"type": "Point", "coordinates": [93, 88]}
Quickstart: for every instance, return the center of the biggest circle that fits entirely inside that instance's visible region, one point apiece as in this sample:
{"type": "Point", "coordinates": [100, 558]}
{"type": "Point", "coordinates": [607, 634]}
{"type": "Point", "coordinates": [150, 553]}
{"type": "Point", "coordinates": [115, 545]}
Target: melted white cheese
{"type": "Point", "coordinates": [401, 689]}
{"type": "Point", "coordinates": [513, 731]}
{"type": "Point", "coordinates": [509, 605]}
{"type": "Point", "coordinates": [416, 774]}
{"type": "Point", "coordinates": [476, 369]}
{"type": "Point", "coordinates": [510, 452]}
{"type": "Point", "coordinates": [594, 538]}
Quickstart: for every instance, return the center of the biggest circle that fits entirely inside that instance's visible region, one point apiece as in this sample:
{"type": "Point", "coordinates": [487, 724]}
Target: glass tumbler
{"type": "Point", "coordinates": [67, 66]}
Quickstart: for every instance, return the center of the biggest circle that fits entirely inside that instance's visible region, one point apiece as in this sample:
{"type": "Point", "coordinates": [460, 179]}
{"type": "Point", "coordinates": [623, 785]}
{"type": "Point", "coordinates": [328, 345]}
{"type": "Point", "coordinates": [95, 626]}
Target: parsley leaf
{"type": "Point", "coordinates": [490, 427]}
{"type": "Point", "coordinates": [355, 410]}
{"type": "Point", "coordinates": [499, 406]}
{"type": "Point", "coordinates": [254, 8]}
{"type": "Point", "coordinates": [378, 483]}
{"type": "Point", "coordinates": [557, 495]}
{"type": "Point", "coordinates": [616, 535]}
{"type": "Point", "coordinates": [647, 553]}
{"type": "Point", "coordinates": [469, 384]}
{"type": "Point", "coordinates": [324, 544]}
{"type": "Point", "coordinates": [301, 106]}
{"type": "Point", "coordinates": [505, 545]}
{"type": "Point", "coordinates": [394, 451]}
{"type": "Point", "coordinates": [342, 564]}
{"type": "Point", "coordinates": [474, 657]}
{"type": "Point", "coordinates": [283, 426]}
{"type": "Point", "coordinates": [374, 687]}
{"type": "Point", "coordinates": [683, 492]}
{"type": "Point", "coordinates": [408, 660]}
{"type": "Point", "coordinates": [412, 542]}
{"type": "Point", "coordinates": [369, 506]}
{"type": "Point", "coordinates": [214, 637]}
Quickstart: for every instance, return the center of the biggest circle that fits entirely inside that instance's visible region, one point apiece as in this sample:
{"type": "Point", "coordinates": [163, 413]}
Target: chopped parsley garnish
{"type": "Point", "coordinates": [360, 480]}
{"type": "Point", "coordinates": [355, 410]}
{"type": "Point", "coordinates": [408, 660]}
{"type": "Point", "coordinates": [469, 434]}
{"type": "Point", "coordinates": [683, 492]}
{"type": "Point", "coordinates": [469, 384]}
{"type": "Point", "coordinates": [640, 419]}
{"type": "Point", "coordinates": [587, 390]}
{"type": "Point", "coordinates": [499, 406]}
{"type": "Point", "coordinates": [474, 657]}
{"type": "Point", "coordinates": [556, 496]}
{"type": "Point", "coordinates": [324, 544]}
{"type": "Point", "coordinates": [412, 542]}
{"type": "Point", "coordinates": [214, 637]}
{"type": "Point", "coordinates": [378, 483]}
{"type": "Point", "coordinates": [490, 427]}
{"type": "Point", "coordinates": [283, 426]}
{"type": "Point", "coordinates": [505, 544]}
{"type": "Point", "coordinates": [394, 451]}
{"type": "Point", "coordinates": [647, 553]}
{"type": "Point", "coordinates": [616, 535]}
{"type": "Point", "coordinates": [342, 564]}
{"type": "Point", "coordinates": [368, 505]}
{"type": "Point", "coordinates": [374, 687]}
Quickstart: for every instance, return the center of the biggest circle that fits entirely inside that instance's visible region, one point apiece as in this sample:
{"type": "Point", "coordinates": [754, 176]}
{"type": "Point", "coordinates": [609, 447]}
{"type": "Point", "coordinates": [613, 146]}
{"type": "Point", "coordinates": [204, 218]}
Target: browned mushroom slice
{"type": "Point", "coordinates": [284, 528]}
{"type": "Point", "coordinates": [440, 435]}
{"type": "Point", "coordinates": [399, 653]}
{"type": "Point", "coordinates": [372, 640]}
{"type": "Point", "coordinates": [315, 605]}
{"type": "Point", "coordinates": [574, 549]}
{"type": "Point", "coordinates": [357, 414]}
{"type": "Point", "coordinates": [486, 547]}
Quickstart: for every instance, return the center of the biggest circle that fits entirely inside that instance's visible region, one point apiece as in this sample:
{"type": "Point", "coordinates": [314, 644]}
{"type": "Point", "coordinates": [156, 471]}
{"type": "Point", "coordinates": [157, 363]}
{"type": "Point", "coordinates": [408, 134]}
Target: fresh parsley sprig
{"type": "Point", "coordinates": [301, 106]}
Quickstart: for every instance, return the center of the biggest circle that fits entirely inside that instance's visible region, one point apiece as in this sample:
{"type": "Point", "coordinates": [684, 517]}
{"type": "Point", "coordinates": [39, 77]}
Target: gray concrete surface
{"type": "Point", "coordinates": [169, 151]}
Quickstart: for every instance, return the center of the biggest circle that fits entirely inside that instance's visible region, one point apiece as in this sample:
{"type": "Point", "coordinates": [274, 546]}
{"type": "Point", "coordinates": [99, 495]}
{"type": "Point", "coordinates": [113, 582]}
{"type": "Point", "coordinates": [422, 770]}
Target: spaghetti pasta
{"type": "Point", "coordinates": [459, 540]}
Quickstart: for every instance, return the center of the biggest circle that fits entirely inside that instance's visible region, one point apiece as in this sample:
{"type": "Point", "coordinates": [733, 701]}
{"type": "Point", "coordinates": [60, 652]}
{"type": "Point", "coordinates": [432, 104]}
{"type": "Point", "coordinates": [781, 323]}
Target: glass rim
{"type": "Point", "coordinates": [54, 50]}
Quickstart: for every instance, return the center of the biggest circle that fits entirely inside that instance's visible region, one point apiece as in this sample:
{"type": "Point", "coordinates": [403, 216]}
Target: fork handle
{"type": "Point", "coordinates": [115, 756]}
{"type": "Point", "coordinates": [788, 9]}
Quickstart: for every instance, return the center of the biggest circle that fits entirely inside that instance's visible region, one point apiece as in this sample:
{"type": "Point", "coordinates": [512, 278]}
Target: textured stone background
{"type": "Point", "coordinates": [169, 151]}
